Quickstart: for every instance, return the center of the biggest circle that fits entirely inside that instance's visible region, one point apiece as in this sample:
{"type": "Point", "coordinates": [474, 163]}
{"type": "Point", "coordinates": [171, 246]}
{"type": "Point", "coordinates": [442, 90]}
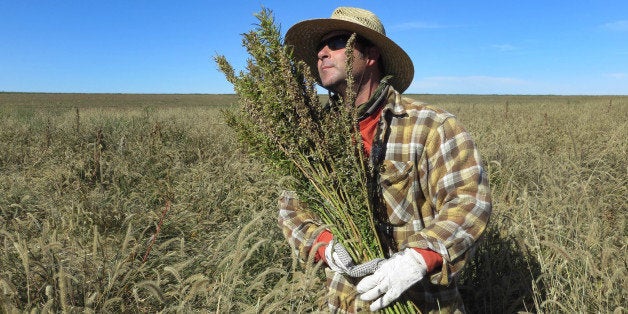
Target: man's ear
{"type": "Point", "coordinates": [372, 55]}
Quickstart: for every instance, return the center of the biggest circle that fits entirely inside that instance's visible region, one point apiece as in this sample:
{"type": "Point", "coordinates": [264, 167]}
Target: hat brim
{"type": "Point", "coordinates": [306, 35]}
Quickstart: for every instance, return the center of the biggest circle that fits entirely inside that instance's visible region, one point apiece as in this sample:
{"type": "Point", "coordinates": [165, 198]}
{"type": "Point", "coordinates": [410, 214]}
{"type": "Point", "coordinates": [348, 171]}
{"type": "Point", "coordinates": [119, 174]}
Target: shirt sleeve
{"type": "Point", "coordinates": [300, 227]}
{"type": "Point", "coordinates": [433, 260]}
{"type": "Point", "coordinates": [458, 188]}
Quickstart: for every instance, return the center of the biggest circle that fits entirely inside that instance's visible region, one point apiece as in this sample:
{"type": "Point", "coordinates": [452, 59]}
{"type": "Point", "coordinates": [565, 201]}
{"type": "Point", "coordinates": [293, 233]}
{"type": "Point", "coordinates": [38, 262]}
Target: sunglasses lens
{"type": "Point", "coordinates": [337, 43]}
{"type": "Point", "coordinates": [334, 43]}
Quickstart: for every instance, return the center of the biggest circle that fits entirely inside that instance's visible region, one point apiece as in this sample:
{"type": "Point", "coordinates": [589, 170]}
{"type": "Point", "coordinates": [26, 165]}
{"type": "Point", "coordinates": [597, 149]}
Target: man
{"type": "Point", "coordinates": [434, 192]}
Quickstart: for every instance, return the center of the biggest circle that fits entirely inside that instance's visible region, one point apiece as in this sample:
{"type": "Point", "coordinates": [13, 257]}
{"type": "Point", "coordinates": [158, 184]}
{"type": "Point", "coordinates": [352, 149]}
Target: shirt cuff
{"type": "Point", "coordinates": [323, 237]}
{"type": "Point", "coordinates": [432, 259]}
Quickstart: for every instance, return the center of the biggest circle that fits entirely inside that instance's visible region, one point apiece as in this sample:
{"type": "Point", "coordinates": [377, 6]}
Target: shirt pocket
{"type": "Point", "coordinates": [397, 182]}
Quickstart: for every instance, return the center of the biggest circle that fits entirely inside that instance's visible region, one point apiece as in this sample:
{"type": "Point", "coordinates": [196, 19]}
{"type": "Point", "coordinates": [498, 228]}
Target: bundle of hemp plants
{"type": "Point", "coordinates": [282, 121]}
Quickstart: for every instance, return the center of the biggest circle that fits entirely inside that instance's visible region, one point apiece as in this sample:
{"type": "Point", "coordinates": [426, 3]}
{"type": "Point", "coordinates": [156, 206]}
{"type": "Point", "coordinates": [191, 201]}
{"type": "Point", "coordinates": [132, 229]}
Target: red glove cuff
{"type": "Point", "coordinates": [432, 259]}
{"type": "Point", "coordinates": [324, 237]}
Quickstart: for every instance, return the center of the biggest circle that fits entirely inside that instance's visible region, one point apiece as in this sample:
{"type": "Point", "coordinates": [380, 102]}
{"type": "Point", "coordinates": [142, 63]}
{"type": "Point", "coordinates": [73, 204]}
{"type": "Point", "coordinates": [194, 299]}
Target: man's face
{"type": "Point", "coordinates": [332, 61]}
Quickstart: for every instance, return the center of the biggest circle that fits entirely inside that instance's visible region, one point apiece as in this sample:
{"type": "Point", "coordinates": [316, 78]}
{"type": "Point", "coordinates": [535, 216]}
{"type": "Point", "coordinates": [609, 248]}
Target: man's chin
{"type": "Point", "coordinates": [334, 88]}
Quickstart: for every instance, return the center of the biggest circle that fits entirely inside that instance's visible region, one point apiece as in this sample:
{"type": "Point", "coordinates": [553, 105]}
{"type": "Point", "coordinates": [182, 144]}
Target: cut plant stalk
{"type": "Point", "coordinates": [282, 122]}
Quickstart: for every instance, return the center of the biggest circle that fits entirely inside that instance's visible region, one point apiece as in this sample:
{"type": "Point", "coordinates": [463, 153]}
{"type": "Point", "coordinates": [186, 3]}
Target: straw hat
{"type": "Point", "coordinates": [306, 35]}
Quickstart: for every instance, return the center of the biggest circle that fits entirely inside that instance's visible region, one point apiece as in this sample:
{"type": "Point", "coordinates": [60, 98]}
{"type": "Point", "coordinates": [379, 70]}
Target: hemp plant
{"type": "Point", "coordinates": [282, 121]}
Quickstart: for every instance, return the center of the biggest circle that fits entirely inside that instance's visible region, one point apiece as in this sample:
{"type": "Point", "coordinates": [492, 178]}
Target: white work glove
{"type": "Point", "coordinates": [340, 261]}
{"type": "Point", "coordinates": [394, 276]}
{"type": "Point", "coordinates": [337, 257]}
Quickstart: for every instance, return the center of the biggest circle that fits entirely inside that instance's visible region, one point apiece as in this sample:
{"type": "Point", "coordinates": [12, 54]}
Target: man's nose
{"type": "Point", "coordinates": [323, 53]}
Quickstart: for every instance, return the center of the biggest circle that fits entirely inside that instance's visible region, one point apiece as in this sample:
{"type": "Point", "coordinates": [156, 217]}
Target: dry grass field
{"type": "Point", "coordinates": [144, 203]}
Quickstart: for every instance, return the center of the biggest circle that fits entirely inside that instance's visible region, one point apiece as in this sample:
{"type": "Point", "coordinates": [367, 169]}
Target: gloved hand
{"type": "Point", "coordinates": [337, 257]}
{"type": "Point", "coordinates": [394, 276]}
{"type": "Point", "coordinates": [339, 260]}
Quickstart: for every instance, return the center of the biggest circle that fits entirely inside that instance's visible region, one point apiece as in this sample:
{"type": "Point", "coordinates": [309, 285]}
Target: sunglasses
{"type": "Point", "coordinates": [334, 43]}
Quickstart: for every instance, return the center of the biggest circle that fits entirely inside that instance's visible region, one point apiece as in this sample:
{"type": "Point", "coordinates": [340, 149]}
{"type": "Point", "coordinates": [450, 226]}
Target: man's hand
{"type": "Point", "coordinates": [394, 276]}
{"type": "Point", "coordinates": [339, 260]}
{"type": "Point", "coordinates": [337, 257]}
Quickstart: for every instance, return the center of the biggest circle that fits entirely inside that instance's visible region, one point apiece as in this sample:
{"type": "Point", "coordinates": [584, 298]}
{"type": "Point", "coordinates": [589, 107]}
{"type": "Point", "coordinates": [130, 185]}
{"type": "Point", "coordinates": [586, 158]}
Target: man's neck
{"type": "Point", "coordinates": [365, 92]}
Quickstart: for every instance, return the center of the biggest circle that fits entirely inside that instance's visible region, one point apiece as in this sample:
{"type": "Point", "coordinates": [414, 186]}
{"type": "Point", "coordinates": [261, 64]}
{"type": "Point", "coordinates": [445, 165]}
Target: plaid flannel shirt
{"type": "Point", "coordinates": [436, 195]}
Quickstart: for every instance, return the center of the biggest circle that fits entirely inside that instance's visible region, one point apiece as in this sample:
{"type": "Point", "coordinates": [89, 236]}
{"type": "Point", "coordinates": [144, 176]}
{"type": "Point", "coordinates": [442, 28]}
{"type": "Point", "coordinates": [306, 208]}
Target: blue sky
{"type": "Point", "coordinates": [463, 47]}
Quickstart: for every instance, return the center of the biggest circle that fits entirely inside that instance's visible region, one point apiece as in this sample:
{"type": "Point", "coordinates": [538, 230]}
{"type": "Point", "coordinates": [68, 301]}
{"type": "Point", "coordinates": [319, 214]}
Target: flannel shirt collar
{"type": "Point", "coordinates": [375, 102]}
{"type": "Point", "coordinates": [394, 104]}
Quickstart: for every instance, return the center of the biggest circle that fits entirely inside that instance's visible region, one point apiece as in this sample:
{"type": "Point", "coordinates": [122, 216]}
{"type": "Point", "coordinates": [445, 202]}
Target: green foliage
{"type": "Point", "coordinates": [282, 121]}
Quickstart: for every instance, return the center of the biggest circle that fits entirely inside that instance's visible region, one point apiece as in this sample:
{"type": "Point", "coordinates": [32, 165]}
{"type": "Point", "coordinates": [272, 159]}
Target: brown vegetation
{"type": "Point", "coordinates": [85, 181]}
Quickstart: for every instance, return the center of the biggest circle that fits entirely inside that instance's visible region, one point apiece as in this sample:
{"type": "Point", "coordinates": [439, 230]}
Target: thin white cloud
{"type": "Point", "coordinates": [476, 84]}
{"type": "Point", "coordinates": [616, 26]}
{"type": "Point", "coordinates": [418, 25]}
{"type": "Point", "coordinates": [618, 76]}
{"type": "Point", "coordinates": [613, 84]}
{"type": "Point", "coordinates": [504, 47]}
